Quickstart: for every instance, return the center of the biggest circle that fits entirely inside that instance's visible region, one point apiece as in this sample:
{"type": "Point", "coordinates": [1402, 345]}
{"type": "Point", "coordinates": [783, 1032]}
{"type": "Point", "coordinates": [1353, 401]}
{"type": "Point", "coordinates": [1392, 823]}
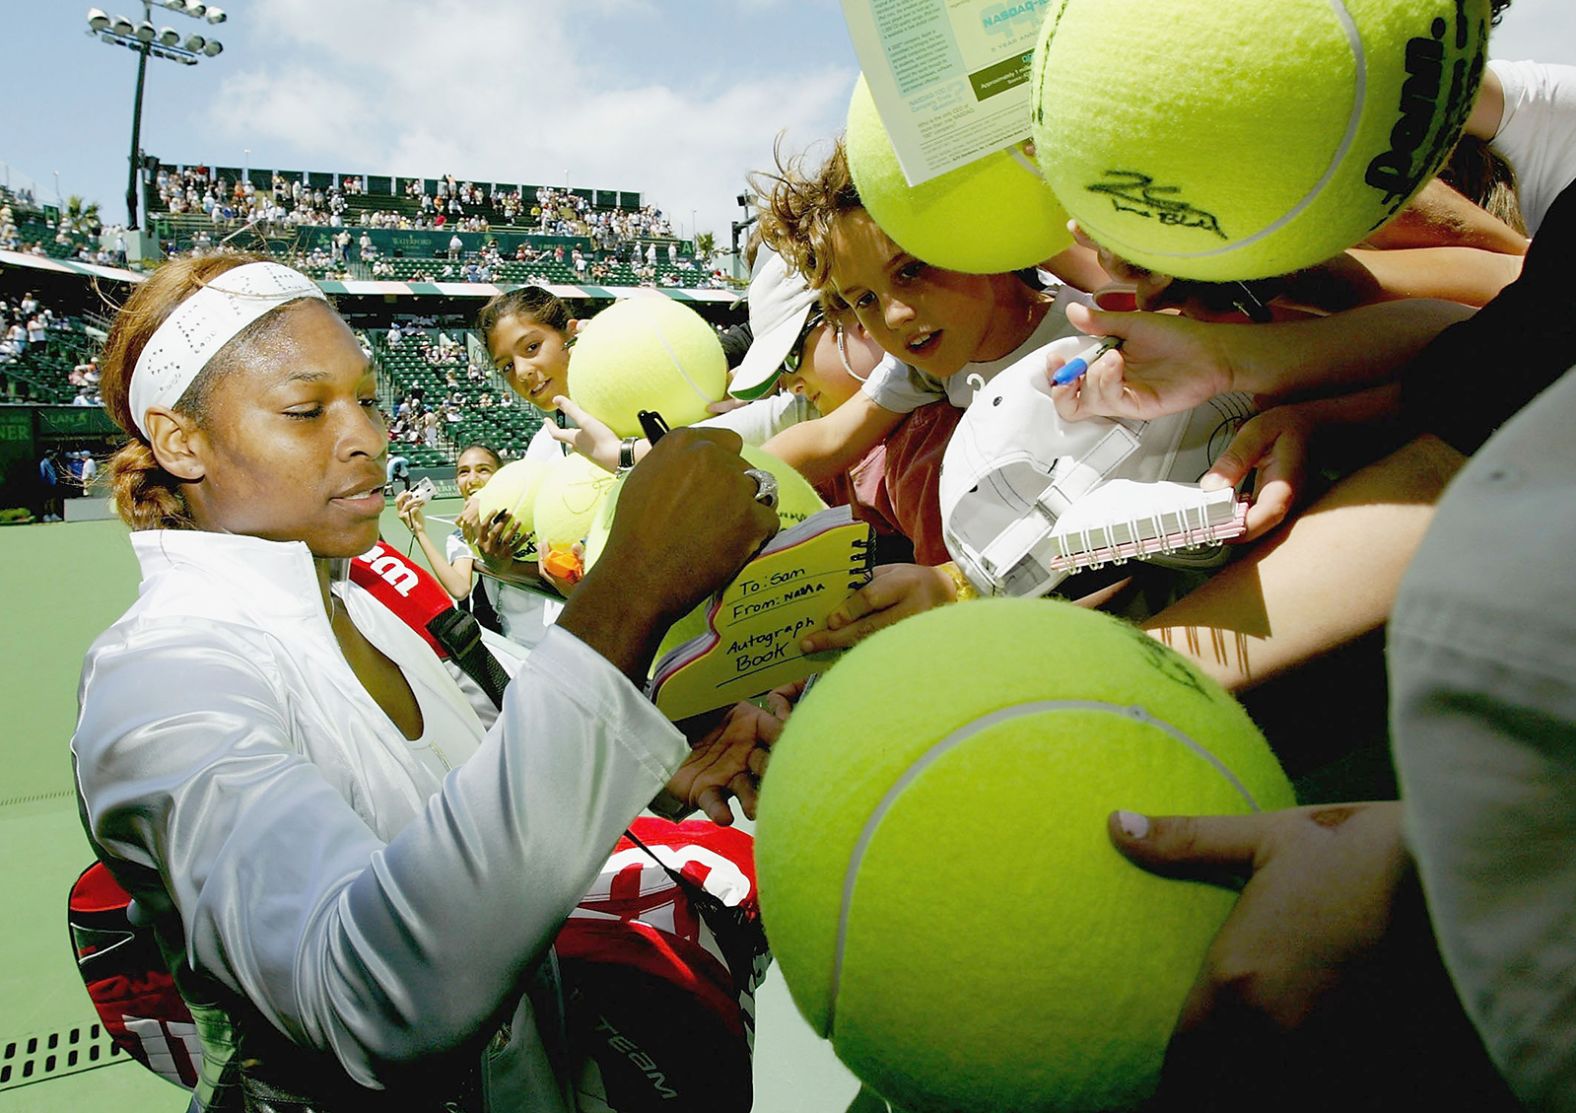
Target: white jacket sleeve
{"type": "Point", "coordinates": [380, 953]}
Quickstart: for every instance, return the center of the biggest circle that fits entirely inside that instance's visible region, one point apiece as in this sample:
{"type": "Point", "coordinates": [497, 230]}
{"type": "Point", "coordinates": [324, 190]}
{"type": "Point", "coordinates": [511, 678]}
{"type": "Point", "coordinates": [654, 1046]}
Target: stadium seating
{"type": "Point", "coordinates": [506, 428]}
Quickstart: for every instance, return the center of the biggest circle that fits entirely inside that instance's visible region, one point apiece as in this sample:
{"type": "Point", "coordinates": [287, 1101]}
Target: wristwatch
{"type": "Point", "coordinates": [626, 453]}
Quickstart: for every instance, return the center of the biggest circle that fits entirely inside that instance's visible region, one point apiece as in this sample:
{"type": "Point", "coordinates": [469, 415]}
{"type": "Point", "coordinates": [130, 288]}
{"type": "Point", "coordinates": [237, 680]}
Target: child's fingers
{"type": "Point", "coordinates": [1282, 471]}
{"type": "Point", "coordinates": [1269, 509]}
{"type": "Point", "coordinates": [1239, 457]}
{"type": "Point", "coordinates": [1201, 847]}
{"type": "Point", "coordinates": [1093, 322]}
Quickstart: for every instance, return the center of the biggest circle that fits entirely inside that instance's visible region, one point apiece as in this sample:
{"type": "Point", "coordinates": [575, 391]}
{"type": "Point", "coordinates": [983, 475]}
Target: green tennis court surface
{"type": "Point", "coordinates": [61, 585]}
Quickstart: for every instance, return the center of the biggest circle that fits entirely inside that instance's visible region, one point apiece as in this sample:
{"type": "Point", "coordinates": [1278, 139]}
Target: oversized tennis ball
{"type": "Point", "coordinates": [796, 501]}
{"type": "Point", "coordinates": [512, 490]}
{"type": "Point", "coordinates": [647, 353]}
{"type": "Point", "coordinates": [1218, 142]}
{"type": "Point", "coordinates": [992, 216]}
{"type": "Point", "coordinates": [936, 879]}
{"type": "Point", "coordinates": [572, 490]}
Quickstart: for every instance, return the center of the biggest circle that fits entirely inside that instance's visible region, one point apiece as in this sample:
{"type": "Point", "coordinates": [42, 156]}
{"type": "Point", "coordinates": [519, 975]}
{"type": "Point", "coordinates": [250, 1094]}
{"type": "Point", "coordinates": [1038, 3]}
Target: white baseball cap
{"type": "Point", "coordinates": [780, 304]}
{"type": "Point", "coordinates": [1013, 466]}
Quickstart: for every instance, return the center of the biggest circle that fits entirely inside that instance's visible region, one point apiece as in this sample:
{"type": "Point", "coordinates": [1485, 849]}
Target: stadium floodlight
{"type": "Point", "coordinates": [163, 43]}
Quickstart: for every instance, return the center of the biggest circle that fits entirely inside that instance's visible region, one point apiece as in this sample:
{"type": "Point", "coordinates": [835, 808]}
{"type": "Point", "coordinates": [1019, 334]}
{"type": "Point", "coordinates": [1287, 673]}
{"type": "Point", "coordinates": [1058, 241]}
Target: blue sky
{"type": "Point", "coordinates": [676, 99]}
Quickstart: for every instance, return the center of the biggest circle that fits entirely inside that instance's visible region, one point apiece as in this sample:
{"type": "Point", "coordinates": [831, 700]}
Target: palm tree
{"type": "Point", "coordinates": [705, 245]}
{"type": "Point", "coordinates": [82, 215]}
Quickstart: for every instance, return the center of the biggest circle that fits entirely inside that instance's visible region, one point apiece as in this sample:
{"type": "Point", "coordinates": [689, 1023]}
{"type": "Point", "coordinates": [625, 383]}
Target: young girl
{"type": "Point", "coordinates": [455, 566]}
{"type": "Point", "coordinates": [354, 879]}
{"type": "Point", "coordinates": [529, 332]}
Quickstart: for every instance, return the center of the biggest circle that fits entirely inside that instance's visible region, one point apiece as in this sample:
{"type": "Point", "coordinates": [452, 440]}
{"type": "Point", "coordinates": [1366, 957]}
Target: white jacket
{"type": "Point", "coordinates": [372, 897]}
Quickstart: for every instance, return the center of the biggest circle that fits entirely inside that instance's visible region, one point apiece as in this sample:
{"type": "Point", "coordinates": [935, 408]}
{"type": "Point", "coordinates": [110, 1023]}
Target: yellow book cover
{"type": "Point", "coordinates": [754, 624]}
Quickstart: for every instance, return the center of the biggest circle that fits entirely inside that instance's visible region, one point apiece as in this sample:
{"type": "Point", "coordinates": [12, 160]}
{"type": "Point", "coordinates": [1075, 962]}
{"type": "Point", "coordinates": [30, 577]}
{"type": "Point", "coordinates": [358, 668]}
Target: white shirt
{"type": "Point", "coordinates": [1537, 132]}
{"type": "Point", "coordinates": [525, 614]}
{"type": "Point", "coordinates": [330, 870]}
{"type": "Point", "coordinates": [1482, 662]}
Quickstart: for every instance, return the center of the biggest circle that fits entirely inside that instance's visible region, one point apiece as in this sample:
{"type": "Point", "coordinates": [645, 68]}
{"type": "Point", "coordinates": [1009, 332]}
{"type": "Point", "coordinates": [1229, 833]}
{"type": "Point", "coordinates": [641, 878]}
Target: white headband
{"type": "Point", "coordinates": [205, 322]}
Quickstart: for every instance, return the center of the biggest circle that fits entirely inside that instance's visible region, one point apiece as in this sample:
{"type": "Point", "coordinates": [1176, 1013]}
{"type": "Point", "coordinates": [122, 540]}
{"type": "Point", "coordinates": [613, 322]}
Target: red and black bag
{"type": "Point", "coordinates": [660, 962]}
{"type": "Point", "coordinates": [125, 975]}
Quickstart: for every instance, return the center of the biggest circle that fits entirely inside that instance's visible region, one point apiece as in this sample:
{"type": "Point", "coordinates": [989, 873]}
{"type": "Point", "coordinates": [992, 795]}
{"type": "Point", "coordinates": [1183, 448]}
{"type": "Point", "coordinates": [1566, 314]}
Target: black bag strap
{"type": "Point", "coordinates": [461, 636]}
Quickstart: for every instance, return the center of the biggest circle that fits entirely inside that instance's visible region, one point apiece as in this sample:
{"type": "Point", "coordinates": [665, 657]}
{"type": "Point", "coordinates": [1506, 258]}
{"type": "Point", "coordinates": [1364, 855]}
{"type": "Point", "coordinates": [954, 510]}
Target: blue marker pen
{"type": "Point", "coordinates": [1073, 369]}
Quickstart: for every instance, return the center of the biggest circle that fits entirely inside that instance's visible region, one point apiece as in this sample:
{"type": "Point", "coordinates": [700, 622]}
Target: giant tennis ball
{"type": "Point", "coordinates": [1222, 142]}
{"type": "Point", "coordinates": [992, 216]}
{"type": "Point", "coordinates": [512, 490]}
{"type": "Point", "coordinates": [796, 501]}
{"type": "Point", "coordinates": [936, 879]}
{"type": "Point", "coordinates": [572, 491]}
{"type": "Point", "coordinates": [647, 353]}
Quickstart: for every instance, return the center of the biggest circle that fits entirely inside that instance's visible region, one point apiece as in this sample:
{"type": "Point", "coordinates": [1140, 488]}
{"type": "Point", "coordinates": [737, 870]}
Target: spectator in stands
{"type": "Point", "coordinates": [456, 247]}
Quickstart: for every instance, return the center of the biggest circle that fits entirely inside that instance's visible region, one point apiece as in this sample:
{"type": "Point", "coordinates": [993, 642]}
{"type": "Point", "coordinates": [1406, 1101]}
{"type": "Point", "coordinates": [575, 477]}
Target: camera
{"type": "Point", "coordinates": [422, 490]}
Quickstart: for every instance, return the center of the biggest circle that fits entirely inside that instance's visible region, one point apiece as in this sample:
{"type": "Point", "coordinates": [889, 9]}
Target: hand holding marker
{"type": "Point", "coordinates": [1073, 369]}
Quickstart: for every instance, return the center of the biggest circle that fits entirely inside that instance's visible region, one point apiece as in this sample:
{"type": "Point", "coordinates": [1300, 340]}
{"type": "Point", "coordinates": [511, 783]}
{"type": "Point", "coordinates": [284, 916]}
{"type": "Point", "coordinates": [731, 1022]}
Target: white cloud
{"type": "Point", "coordinates": [523, 94]}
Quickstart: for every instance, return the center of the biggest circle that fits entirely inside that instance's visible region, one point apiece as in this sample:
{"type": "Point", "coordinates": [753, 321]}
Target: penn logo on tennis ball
{"type": "Point", "coordinates": [1399, 171]}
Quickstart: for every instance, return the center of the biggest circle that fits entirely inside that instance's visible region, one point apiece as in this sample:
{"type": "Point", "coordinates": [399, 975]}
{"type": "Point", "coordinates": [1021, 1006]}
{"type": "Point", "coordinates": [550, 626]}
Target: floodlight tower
{"type": "Point", "coordinates": [166, 43]}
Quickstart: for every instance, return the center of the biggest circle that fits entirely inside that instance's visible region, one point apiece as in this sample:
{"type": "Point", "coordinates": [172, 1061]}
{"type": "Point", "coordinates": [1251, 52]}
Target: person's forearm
{"type": "Point", "coordinates": [1359, 348]}
{"type": "Point", "coordinates": [524, 572]}
{"type": "Point", "coordinates": [615, 619]}
{"type": "Point", "coordinates": [807, 449]}
{"type": "Point", "coordinates": [830, 445]}
{"type": "Point", "coordinates": [1468, 275]}
{"type": "Point", "coordinates": [1439, 216]}
{"type": "Point", "coordinates": [1271, 610]}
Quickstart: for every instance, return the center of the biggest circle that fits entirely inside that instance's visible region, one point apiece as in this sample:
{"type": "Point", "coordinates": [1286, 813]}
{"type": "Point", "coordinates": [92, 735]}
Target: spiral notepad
{"type": "Point", "coordinates": [1124, 519]}
{"type": "Point", "coordinates": [756, 622]}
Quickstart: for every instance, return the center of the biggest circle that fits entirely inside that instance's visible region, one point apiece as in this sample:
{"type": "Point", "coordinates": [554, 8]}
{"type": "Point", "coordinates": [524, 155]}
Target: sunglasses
{"type": "Point", "coordinates": [795, 354]}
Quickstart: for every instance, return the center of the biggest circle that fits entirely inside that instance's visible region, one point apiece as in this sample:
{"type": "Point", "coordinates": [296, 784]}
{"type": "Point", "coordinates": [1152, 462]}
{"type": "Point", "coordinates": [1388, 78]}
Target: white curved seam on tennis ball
{"type": "Point", "coordinates": [1359, 98]}
{"type": "Point", "coordinates": [951, 742]}
{"type": "Point", "coordinates": [678, 365]}
{"type": "Point", "coordinates": [1023, 160]}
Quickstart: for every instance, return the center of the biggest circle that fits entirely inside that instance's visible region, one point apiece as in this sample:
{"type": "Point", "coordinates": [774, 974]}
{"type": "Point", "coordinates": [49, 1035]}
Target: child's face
{"type": "Point", "coordinates": [822, 376]}
{"type": "Point", "coordinates": [473, 469]}
{"type": "Point", "coordinates": [532, 358]}
{"type": "Point", "coordinates": [932, 319]}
